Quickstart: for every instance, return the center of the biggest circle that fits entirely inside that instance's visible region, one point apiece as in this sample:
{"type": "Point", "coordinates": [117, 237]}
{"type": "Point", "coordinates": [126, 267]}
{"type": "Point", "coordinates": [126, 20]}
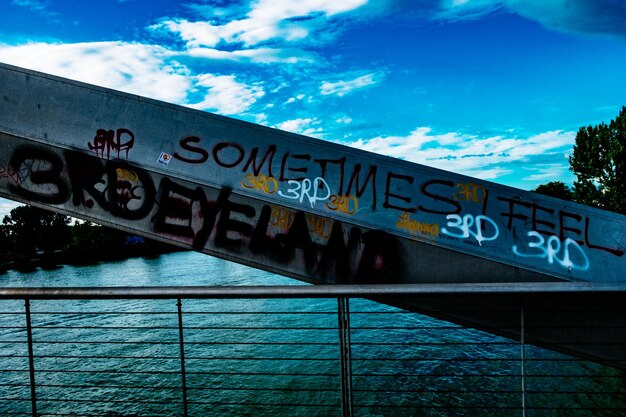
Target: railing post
{"type": "Point", "coordinates": [523, 357]}
{"type": "Point", "coordinates": [181, 339]}
{"type": "Point", "coordinates": [343, 311]}
{"type": "Point", "coordinates": [31, 359]}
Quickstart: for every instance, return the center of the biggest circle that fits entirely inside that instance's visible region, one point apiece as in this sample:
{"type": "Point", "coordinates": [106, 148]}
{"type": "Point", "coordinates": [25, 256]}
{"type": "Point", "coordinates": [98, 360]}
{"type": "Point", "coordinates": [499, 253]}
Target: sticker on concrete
{"type": "Point", "coordinates": [164, 159]}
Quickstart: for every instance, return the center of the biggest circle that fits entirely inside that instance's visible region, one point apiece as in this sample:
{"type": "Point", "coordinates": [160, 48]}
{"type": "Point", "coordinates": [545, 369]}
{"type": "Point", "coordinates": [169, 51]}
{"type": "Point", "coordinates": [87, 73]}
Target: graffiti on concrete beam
{"type": "Point", "coordinates": [303, 210]}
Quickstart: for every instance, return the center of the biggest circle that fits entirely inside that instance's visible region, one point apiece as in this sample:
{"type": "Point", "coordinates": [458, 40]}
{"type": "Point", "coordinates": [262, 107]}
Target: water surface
{"type": "Point", "coordinates": [268, 357]}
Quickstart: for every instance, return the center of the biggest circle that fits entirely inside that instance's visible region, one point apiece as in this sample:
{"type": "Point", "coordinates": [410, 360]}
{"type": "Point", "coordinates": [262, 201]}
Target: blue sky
{"type": "Point", "coordinates": [489, 88]}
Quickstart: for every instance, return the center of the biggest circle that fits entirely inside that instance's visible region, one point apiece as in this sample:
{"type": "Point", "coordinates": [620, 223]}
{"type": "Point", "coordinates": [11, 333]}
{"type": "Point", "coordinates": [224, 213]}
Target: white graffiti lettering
{"type": "Point", "coordinates": [550, 248]}
{"type": "Point", "coordinates": [310, 189]}
{"type": "Point", "coordinates": [470, 225]}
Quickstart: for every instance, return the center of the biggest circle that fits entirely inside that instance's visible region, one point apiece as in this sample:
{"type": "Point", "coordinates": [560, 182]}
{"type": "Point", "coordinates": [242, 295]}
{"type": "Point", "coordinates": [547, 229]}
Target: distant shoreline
{"type": "Point", "coordinates": [81, 257]}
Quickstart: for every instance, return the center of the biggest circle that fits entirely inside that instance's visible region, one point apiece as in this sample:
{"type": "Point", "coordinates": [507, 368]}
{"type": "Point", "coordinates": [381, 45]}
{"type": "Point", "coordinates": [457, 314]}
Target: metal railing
{"type": "Point", "coordinates": [294, 350]}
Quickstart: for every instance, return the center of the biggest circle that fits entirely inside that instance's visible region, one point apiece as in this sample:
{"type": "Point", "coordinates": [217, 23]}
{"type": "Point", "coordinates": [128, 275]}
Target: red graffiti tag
{"type": "Point", "coordinates": [107, 140]}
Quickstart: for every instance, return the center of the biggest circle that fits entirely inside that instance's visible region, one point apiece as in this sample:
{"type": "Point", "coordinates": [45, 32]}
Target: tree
{"type": "Point", "coordinates": [556, 189]}
{"type": "Point", "coordinates": [31, 228]}
{"type": "Point", "coordinates": [599, 163]}
{"type": "Point", "coordinates": [4, 239]}
{"type": "Point", "coordinates": [55, 231]}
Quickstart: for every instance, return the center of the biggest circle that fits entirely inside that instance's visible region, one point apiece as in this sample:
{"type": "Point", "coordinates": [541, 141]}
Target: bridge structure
{"type": "Point", "coordinates": [318, 211]}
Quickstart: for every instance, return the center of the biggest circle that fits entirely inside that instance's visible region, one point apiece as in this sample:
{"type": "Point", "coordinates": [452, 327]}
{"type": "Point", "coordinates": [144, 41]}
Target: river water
{"type": "Point", "coordinates": [268, 357]}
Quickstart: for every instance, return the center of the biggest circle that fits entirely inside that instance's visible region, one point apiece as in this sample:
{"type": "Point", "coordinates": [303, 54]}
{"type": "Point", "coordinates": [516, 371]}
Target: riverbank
{"type": "Point", "coordinates": [83, 255]}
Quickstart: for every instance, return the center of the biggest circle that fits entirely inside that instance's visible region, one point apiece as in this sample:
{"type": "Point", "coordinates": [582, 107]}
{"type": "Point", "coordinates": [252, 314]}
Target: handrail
{"type": "Point", "coordinates": [229, 355]}
{"type": "Point", "coordinates": [306, 291]}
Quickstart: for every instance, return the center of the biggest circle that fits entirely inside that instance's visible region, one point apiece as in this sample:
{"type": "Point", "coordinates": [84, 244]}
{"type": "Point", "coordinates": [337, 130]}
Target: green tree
{"type": "Point", "coordinates": [4, 239]}
{"type": "Point", "coordinates": [556, 189]}
{"type": "Point", "coordinates": [599, 163]}
{"type": "Point", "coordinates": [92, 243]}
{"type": "Point", "coordinates": [30, 229]}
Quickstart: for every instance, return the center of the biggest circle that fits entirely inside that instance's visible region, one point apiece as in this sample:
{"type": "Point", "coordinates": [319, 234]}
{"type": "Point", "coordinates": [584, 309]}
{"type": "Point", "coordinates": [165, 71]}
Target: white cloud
{"type": "Point", "coordinates": [593, 16]}
{"type": "Point", "coordinates": [146, 70]}
{"type": "Point", "coordinates": [487, 173]}
{"type": "Point", "coordinates": [196, 34]}
{"type": "Point", "coordinates": [295, 125]}
{"type": "Point", "coordinates": [133, 68]}
{"type": "Point", "coordinates": [260, 118]}
{"type": "Point", "coordinates": [610, 109]}
{"type": "Point", "coordinates": [482, 157]}
{"type": "Point", "coordinates": [303, 126]}
{"type": "Point", "coordinates": [225, 94]}
{"type": "Point", "coordinates": [37, 5]}
{"type": "Point", "coordinates": [279, 20]}
{"type": "Point", "coordinates": [341, 88]}
{"type": "Point", "coordinates": [299, 97]}
{"type": "Point", "coordinates": [548, 172]}
{"type": "Point", "coordinates": [256, 56]}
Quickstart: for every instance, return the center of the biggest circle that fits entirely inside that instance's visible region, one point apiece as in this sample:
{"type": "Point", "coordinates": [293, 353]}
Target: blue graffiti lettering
{"type": "Point", "coordinates": [298, 190]}
{"type": "Point", "coordinates": [470, 225]}
{"type": "Point", "coordinates": [550, 248]}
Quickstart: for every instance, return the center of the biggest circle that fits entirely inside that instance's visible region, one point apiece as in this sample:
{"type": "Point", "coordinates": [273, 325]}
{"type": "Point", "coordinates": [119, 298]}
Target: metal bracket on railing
{"type": "Point", "coordinates": [181, 339]}
{"type": "Point", "coordinates": [343, 311]}
{"type": "Point", "coordinates": [31, 359]}
{"type": "Point", "coordinates": [523, 358]}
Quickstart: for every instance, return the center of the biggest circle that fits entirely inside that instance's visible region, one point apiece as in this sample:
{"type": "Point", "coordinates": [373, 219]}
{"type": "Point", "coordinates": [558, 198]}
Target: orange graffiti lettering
{"type": "Point", "coordinates": [417, 228]}
{"type": "Point", "coordinates": [319, 226]}
{"type": "Point", "coordinates": [268, 185]}
{"type": "Point", "coordinates": [470, 192]}
{"type": "Point", "coordinates": [347, 204]}
{"type": "Point", "coordinates": [124, 174]}
{"type": "Point", "coordinates": [281, 217]}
